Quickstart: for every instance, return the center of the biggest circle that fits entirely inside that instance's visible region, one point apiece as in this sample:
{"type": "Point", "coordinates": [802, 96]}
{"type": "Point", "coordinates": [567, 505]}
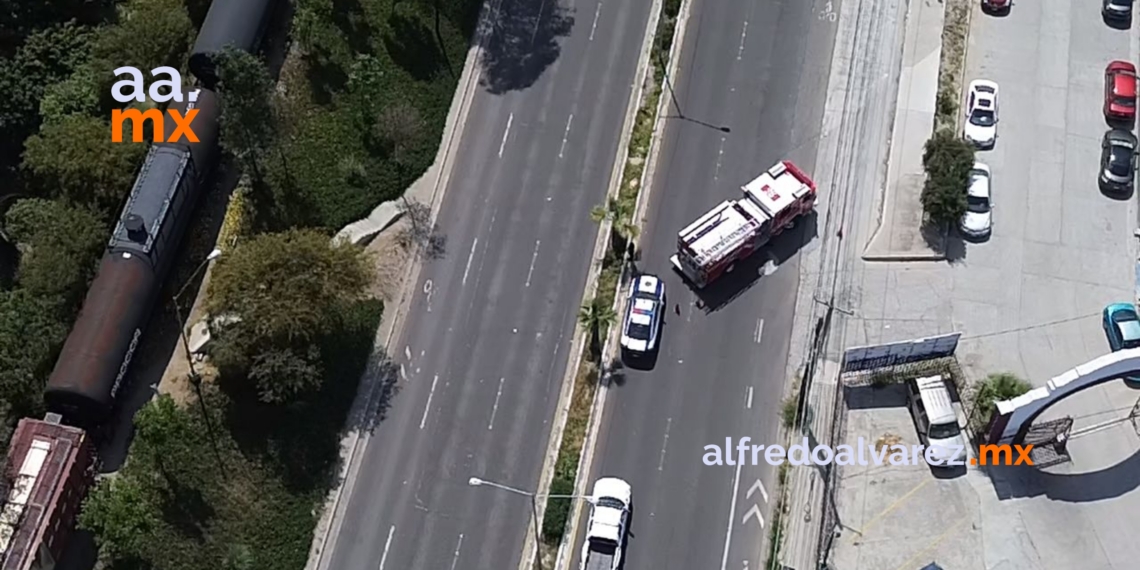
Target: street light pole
{"type": "Point", "coordinates": [476, 482]}
{"type": "Point", "coordinates": [195, 379]}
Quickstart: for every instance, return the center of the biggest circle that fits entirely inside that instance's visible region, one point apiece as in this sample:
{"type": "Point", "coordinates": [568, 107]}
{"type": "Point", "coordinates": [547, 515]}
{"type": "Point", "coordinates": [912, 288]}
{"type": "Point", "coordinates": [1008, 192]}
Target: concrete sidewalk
{"type": "Point", "coordinates": [899, 236]}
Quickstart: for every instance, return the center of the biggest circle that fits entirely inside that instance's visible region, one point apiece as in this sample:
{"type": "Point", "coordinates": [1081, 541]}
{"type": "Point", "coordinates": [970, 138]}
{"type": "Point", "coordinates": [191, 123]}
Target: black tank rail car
{"type": "Point", "coordinates": [236, 23]}
{"type": "Point", "coordinates": [98, 351]}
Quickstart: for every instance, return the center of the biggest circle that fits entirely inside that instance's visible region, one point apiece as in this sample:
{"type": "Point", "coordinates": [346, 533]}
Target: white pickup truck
{"type": "Point", "coordinates": [609, 515]}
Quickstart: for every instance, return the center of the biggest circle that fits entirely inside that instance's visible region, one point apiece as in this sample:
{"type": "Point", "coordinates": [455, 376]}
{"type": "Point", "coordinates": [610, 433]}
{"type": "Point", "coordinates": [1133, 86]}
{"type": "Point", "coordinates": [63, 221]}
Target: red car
{"type": "Point", "coordinates": [1120, 90]}
{"type": "Point", "coordinates": [997, 5]}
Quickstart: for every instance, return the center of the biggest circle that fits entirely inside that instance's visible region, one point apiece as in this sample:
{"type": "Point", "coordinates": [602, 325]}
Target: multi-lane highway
{"type": "Point", "coordinates": [487, 338]}
{"type": "Point", "coordinates": [760, 69]}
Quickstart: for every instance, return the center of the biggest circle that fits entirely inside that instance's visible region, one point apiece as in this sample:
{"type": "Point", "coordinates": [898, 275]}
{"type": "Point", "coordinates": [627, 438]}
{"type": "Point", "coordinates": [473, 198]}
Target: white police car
{"type": "Point", "coordinates": [644, 310]}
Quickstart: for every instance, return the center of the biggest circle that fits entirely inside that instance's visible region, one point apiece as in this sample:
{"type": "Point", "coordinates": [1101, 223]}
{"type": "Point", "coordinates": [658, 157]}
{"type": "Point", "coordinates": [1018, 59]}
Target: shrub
{"type": "Point", "coordinates": [947, 160]}
{"type": "Point", "coordinates": [995, 388]}
{"type": "Point", "coordinates": [789, 411]}
{"type": "Point", "coordinates": [557, 510]}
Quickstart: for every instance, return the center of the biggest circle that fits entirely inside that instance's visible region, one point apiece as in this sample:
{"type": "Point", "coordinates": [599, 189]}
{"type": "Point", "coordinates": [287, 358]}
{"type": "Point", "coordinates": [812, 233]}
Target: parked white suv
{"type": "Point", "coordinates": [978, 222]}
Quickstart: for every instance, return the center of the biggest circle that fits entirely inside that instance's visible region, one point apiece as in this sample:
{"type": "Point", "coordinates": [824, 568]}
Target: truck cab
{"type": "Point", "coordinates": [605, 533]}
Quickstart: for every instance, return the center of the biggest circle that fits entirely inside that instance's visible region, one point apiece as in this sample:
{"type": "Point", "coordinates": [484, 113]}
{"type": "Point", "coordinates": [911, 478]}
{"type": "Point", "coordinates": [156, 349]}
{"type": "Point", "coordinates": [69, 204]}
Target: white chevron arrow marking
{"type": "Point", "coordinates": [754, 487]}
{"type": "Point", "coordinates": [755, 510]}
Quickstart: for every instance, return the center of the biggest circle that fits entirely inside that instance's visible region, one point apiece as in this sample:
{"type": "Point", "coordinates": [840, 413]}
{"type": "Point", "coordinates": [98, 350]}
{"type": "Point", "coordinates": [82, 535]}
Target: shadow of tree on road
{"type": "Point", "coordinates": [524, 41]}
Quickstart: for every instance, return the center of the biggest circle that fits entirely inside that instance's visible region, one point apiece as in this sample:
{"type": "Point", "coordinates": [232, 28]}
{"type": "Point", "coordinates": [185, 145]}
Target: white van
{"type": "Point", "coordinates": [936, 420]}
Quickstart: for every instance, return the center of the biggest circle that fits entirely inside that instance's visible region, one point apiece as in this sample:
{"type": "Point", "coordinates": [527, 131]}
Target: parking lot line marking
{"type": "Point", "coordinates": [427, 408]}
{"type": "Point", "coordinates": [912, 560]}
{"type": "Point", "coordinates": [387, 544]}
{"type": "Point", "coordinates": [891, 507]}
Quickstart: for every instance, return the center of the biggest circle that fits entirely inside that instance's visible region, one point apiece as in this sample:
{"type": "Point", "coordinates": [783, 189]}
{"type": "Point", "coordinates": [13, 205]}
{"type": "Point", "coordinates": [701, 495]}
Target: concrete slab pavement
{"type": "Point", "coordinates": [899, 236]}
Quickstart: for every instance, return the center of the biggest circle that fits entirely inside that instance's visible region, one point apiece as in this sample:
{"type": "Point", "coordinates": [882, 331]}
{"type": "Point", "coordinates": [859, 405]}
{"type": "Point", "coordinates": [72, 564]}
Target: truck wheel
{"type": "Point", "coordinates": [790, 225]}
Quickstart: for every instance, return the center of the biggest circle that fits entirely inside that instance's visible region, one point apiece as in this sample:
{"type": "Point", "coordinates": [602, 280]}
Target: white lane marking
{"type": "Point", "coordinates": [661, 463]}
{"type": "Point", "coordinates": [533, 258]}
{"type": "Point", "coordinates": [495, 408]}
{"type": "Point", "coordinates": [828, 13]}
{"type": "Point", "coordinates": [743, 34]}
{"type": "Point", "coordinates": [757, 486]}
{"type": "Point", "coordinates": [731, 517]}
{"type": "Point", "coordinates": [719, 157]}
{"type": "Point", "coordinates": [423, 420]}
{"type": "Point", "coordinates": [506, 132]}
{"type": "Point", "coordinates": [408, 353]}
{"type": "Point", "coordinates": [427, 291]}
{"type": "Point", "coordinates": [597, 13]}
{"type": "Point", "coordinates": [387, 544]}
{"type": "Point", "coordinates": [455, 559]}
{"type": "Point", "coordinates": [753, 512]}
{"type": "Point", "coordinates": [403, 372]}
{"type": "Point", "coordinates": [750, 397]}
{"type": "Point", "coordinates": [565, 135]}
{"type": "Point", "coordinates": [759, 332]}
{"type": "Point", "coordinates": [470, 257]}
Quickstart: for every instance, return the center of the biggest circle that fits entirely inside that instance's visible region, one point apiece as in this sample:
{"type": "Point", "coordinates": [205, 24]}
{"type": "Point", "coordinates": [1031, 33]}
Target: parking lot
{"type": "Point", "coordinates": [1028, 301]}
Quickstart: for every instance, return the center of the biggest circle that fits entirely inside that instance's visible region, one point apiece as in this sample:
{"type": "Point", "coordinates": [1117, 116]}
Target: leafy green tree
{"type": "Point", "coordinates": [398, 128]}
{"type": "Point", "coordinates": [619, 213]}
{"type": "Point", "coordinates": [30, 337]}
{"type": "Point", "coordinates": [148, 34]}
{"type": "Point", "coordinates": [124, 515]}
{"type": "Point", "coordinates": [60, 244]}
{"type": "Point", "coordinates": [248, 123]}
{"type": "Point", "coordinates": [285, 289]}
{"type": "Point", "coordinates": [948, 160]}
{"type": "Point", "coordinates": [995, 388]}
{"type": "Point", "coordinates": [75, 158]}
{"type": "Point", "coordinates": [596, 316]}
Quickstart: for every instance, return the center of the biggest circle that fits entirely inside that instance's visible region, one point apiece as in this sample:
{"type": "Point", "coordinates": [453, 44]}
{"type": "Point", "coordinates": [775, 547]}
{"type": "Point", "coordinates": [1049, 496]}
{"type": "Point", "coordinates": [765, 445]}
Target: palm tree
{"type": "Point", "coordinates": [996, 388]}
{"type": "Point", "coordinates": [620, 215]}
{"type": "Point", "coordinates": [596, 316]}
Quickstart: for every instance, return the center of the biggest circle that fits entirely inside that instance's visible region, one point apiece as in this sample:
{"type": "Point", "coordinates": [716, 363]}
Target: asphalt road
{"type": "Point", "coordinates": [486, 343]}
{"type": "Point", "coordinates": [760, 69]}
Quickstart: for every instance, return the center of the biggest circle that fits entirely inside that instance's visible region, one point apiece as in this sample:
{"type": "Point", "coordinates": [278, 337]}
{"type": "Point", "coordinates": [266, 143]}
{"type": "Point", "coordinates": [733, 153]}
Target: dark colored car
{"type": "Point", "coordinates": [1119, 10]}
{"type": "Point", "coordinates": [1002, 6]}
{"type": "Point", "coordinates": [1120, 90]}
{"type": "Point", "coordinates": [1122, 327]}
{"type": "Point", "coordinates": [1117, 160]}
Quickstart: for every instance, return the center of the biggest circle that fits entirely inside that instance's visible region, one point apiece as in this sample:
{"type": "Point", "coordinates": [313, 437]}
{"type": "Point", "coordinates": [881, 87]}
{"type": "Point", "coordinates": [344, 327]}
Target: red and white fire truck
{"type": "Point", "coordinates": [735, 229]}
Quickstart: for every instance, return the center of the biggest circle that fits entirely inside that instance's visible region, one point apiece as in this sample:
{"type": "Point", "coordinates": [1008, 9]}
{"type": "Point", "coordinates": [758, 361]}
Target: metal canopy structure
{"type": "Point", "coordinates": [902, 352]}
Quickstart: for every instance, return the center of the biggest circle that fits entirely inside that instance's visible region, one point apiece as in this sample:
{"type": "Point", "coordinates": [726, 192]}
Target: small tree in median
{"type": "Point", "coordinates": [947, 160]}
{"type": "Point", "coordinates": [596, 316]}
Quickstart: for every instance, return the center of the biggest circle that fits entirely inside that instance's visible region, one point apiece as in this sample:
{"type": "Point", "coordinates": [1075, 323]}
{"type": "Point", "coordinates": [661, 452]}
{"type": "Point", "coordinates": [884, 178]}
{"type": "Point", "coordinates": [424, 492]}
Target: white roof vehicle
{"type": "Point", "coordinates": [734, 229]}
{"type": "Point", "coordinates": [981, 113]}
{"type": "Point", "coordinates": [979, 218]}
{"type": "Point", "coordinates": [643, 313]}
{"type": "Point", "coordinates": [609, 515]}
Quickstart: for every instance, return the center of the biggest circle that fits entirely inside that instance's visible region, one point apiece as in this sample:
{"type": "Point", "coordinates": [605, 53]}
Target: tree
{"type": "Point", "coordinates": [124, 516]}
{"type": "Point", "coordinates": [30, 337]}
{"type": "Point", "coordinates": [596, 316]}
{"type": "Point", "coordinates": [60, 245]}
{"type": "Point", "coordinates": [398, 128]}
{"type": "Point", "coordinates": [948, 161]}
{"type": "Point", "coordinates": [75, 158]}
{"type": "Point", "coordinates": [421, 234]}
{"type": "Point", "coordinates": [996, 388]}
{"type": "Point", "coordinates": [148, 34]}
{"type": "Point", "coordinates": [285, 288]}
{"type": "Point", "coordinates": [248, 123]}
{"type": "Point", "coordinates": [620, 215]}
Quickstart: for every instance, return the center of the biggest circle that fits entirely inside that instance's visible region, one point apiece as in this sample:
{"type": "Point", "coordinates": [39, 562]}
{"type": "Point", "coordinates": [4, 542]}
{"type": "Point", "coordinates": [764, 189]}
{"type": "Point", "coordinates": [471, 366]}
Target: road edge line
{"type": "Point", "coordinates": [641, 205]}
{"type": "Point", "coordinates": [332, 514]}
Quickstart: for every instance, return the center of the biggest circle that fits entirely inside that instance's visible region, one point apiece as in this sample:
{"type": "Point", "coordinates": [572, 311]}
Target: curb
{"type": "Point", "coordinates": [330, 517]}
{"type": "Point", "coordinates": [577, 342]}
{"type": "Point", "coordinates": [585, 462]}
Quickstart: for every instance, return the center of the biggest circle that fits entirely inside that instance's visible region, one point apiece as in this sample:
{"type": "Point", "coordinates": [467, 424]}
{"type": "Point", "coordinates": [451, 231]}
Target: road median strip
{"type": "Point", "coordinates": [620, 219]}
